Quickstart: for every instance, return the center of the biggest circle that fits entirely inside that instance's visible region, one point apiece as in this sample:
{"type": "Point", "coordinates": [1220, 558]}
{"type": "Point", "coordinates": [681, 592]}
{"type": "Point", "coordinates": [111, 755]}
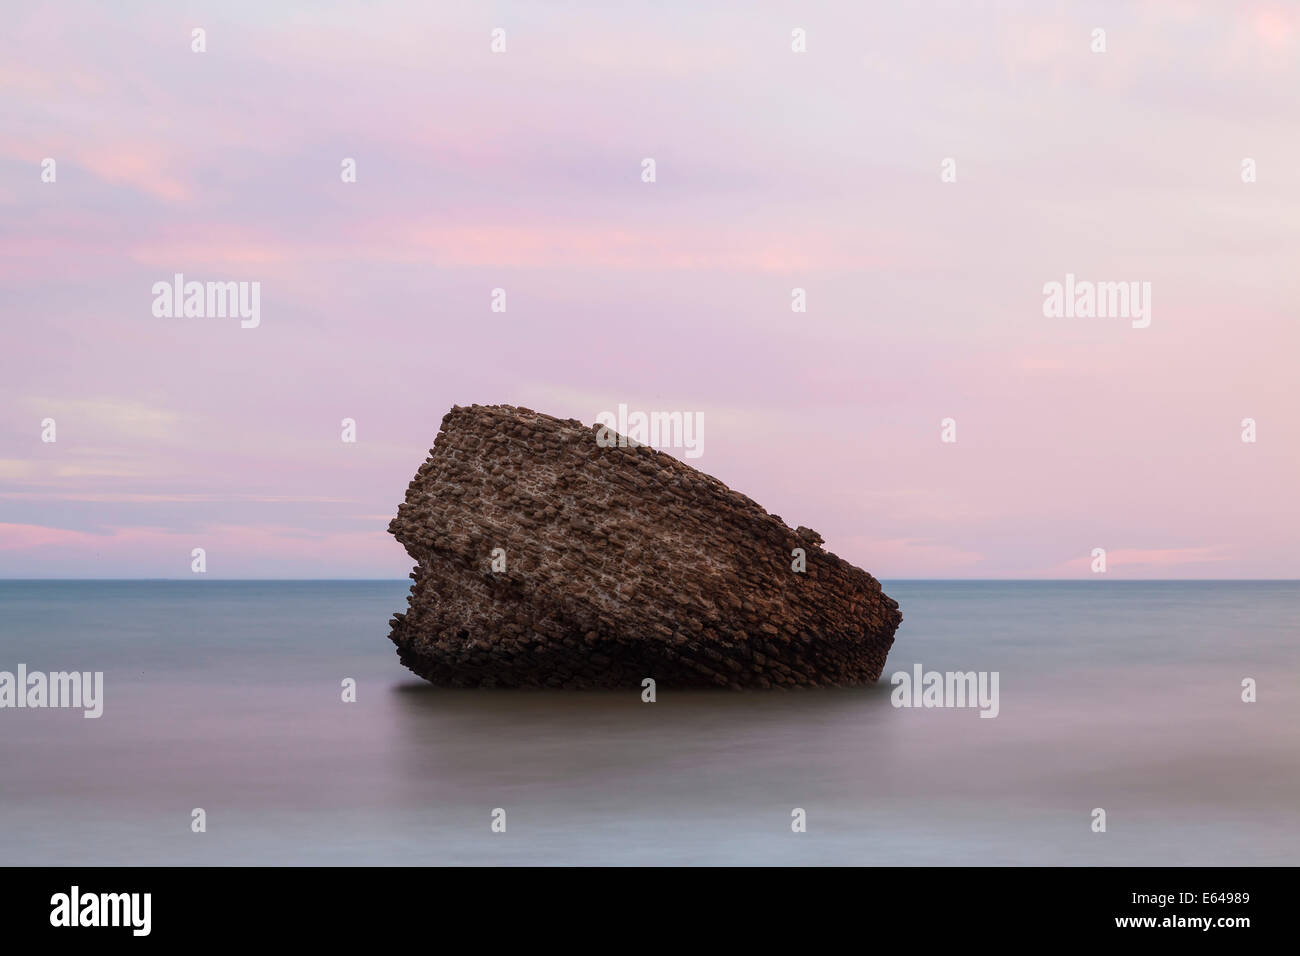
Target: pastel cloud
{"type": "Point", "coordinates": [1144, 561]}
{"type": "Point", "coordinates": [230, 552]}
{"type": "Point", "coordinates": [121, 418]}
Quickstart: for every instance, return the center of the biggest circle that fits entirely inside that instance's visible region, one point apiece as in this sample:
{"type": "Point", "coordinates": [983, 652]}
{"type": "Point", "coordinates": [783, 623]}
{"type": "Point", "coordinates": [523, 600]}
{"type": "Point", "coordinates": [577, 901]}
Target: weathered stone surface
{"type": "Point", "coordinates": [621, 563]}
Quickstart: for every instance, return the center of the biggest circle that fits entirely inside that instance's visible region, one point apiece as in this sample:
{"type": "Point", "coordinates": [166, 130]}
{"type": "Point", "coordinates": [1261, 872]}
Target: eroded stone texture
{"type": "Point", "coordinates": [621, 563]}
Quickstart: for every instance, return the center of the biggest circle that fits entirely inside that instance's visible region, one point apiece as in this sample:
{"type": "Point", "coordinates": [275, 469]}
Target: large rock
{"type": "Point", "coordinates": [621, 563]}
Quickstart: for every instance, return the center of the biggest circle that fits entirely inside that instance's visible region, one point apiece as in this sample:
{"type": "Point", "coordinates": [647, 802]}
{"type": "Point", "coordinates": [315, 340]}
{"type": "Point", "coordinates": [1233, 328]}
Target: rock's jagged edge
{"type": "Point", "coordinates": [621, 563]}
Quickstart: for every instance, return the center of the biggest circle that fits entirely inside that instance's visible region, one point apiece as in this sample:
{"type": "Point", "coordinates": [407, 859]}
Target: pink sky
{"type": "Point", "coordinates": [774, 170]}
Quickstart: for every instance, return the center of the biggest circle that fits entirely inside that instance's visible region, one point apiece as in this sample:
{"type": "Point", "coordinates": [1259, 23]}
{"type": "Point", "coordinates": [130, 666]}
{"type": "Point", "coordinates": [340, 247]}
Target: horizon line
{"type": "Point", "coordinates": [1091, 580]}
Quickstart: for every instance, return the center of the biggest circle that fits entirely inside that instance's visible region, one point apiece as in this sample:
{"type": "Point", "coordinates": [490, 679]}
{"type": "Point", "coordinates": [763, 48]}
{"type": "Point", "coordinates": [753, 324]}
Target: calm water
{"type": "Point", "coordinates": [226, 696]}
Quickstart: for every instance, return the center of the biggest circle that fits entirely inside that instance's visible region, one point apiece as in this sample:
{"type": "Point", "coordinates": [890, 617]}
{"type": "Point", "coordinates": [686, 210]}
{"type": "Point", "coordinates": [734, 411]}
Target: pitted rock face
{"type": "Point", "coordinates": [620, 563]}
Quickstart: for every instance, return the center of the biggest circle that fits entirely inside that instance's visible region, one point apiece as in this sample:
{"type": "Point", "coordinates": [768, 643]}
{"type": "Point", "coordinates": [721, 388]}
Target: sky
{"type": "Point", "coordinates": [825, 170]}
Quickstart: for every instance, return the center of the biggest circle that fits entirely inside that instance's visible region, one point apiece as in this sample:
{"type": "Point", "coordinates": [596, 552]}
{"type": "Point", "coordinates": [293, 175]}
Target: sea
{"type": "Point", "coordinates": [228, 697]}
